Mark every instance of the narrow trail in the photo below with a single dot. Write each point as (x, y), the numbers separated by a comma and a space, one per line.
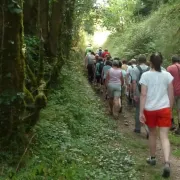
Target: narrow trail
(125, 124)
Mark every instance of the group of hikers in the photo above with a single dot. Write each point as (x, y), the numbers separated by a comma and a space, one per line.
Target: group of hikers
(153, 90)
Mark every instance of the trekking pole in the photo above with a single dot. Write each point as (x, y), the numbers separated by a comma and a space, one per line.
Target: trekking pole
(147, 130)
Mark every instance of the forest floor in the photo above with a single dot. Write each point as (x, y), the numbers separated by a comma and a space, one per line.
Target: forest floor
(138, 144)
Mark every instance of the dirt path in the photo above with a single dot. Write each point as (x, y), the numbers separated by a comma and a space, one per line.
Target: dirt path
(125, 124)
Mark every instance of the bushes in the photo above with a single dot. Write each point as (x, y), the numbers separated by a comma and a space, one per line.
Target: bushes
(159, 32)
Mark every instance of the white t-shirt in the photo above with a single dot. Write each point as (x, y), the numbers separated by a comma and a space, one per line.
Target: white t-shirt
(157, 89)
(136, 76)
(129, 72)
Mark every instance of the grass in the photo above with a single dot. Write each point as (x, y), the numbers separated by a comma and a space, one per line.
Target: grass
(139, 148)
(74, 138)
(175, 141)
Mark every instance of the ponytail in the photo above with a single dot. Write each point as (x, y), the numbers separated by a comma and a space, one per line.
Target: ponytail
(156, 60)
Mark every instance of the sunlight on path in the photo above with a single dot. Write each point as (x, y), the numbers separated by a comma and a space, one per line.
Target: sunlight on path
(100, 37)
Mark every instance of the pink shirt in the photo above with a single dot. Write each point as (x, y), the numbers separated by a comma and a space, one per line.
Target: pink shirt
(173, 70)
(114, 76)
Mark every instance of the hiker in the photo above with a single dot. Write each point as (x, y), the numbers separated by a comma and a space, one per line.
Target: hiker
(88, 49)
(156, 101)
(129, 80)
(120, 67)
(124, 65)
(124, 71)
(100, 51)
(89, 64)
(136, 75)
(96, 58)
(107, 58)
(98, 71)
(106, 52)
(114, 81)
(174, 70)
(123, 88)
(104, 74)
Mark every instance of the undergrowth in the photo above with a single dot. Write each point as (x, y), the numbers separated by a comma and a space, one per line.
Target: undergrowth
(74, 138)
(158, 32)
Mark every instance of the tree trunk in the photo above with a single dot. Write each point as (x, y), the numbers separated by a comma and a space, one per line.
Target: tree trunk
(55, 23)
(68, 27)
(44, 18)
(65, 38)
(30, 17)
(12, 69)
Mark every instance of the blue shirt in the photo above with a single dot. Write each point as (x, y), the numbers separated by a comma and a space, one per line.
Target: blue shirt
(105, 71)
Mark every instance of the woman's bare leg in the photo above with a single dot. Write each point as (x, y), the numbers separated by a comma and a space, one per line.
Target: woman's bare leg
(117, 105)
(152, 141)
(165, 143)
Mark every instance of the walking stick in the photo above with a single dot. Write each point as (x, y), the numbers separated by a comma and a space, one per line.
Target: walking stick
(147, 130)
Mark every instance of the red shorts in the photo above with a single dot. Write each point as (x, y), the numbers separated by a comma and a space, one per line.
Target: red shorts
(158, 118)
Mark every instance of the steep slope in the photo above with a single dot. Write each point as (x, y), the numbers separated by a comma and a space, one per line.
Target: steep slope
(158, 32)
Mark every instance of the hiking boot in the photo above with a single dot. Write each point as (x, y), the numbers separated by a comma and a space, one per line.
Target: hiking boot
(151, 161)
(166, 170)
(177, 131)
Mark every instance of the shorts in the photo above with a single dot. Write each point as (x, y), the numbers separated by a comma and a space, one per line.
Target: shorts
(114, 90)
(158, 118)
(98, 79)
(177, 102)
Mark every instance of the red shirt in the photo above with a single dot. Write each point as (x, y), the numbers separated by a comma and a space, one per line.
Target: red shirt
(173, 70)
(105, 53)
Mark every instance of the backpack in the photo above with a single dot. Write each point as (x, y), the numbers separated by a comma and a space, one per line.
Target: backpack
(90, 60)
(100, 53)
(130, 73)
(141, 72)
(101, 65)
